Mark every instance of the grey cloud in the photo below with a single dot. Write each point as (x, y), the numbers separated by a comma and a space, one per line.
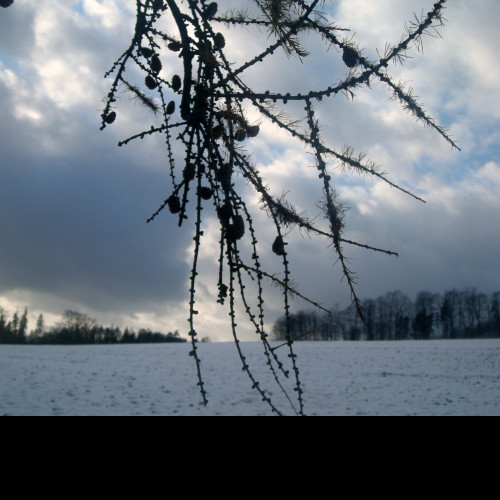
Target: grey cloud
(78, 230)
(73, 217)
(11, 42)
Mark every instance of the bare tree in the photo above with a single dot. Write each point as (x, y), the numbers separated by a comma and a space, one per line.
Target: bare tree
(75, 319)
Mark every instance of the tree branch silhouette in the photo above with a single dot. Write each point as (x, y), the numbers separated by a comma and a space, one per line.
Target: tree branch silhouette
(208, 108)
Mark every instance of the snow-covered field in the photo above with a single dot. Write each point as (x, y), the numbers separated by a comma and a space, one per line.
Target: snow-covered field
(407, 378)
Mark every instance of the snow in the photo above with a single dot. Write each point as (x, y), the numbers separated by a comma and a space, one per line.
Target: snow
(393, 378)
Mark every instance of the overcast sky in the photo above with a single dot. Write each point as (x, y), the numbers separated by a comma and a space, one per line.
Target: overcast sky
(73, 206)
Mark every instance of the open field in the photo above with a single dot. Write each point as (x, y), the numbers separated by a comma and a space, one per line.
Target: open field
(394, 378)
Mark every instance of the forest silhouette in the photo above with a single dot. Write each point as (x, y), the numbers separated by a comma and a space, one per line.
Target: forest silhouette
(456, 314)
(75, 329)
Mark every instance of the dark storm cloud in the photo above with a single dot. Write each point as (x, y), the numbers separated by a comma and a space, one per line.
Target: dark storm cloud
(75, 228)
(73, 210)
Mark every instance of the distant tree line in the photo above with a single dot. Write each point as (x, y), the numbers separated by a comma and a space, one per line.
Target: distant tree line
(465, 314)
(74, 328)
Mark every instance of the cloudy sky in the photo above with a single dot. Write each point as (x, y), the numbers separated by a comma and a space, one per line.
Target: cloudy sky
(73, 206)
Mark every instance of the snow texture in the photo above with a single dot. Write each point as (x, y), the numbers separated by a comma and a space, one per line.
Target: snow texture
(395, 378)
